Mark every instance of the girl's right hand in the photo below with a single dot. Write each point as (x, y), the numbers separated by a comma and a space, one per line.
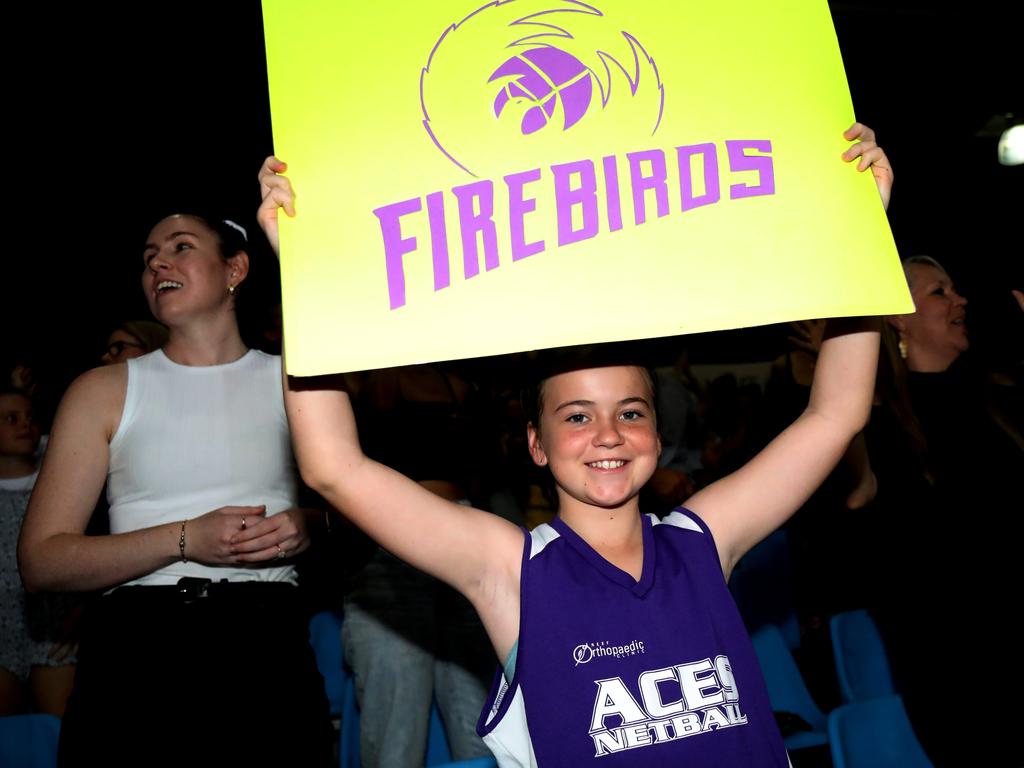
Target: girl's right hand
(277, 193)
(208, 537)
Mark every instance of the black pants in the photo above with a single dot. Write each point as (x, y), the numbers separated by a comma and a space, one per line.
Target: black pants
(226, 679)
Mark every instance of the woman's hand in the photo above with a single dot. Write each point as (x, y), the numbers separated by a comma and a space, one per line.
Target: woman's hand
(285, 534)
(277, 193)
(208, 537)
(66, 644)
(62, 650)
(871, 156)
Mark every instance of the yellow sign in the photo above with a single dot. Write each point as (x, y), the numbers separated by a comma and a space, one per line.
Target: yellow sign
(477, 178)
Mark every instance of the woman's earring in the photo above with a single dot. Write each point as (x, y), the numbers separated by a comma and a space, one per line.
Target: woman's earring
(902, 347)
(231, 290)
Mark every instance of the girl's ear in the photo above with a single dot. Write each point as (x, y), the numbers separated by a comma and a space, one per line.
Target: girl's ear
(540, 458)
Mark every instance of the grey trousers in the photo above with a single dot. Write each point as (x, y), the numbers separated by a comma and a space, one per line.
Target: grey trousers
(409, 638)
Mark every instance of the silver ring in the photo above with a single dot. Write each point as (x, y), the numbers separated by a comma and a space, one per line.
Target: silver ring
(280, 552)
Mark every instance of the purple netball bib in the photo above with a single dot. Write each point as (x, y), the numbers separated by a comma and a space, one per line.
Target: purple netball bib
(613, 672)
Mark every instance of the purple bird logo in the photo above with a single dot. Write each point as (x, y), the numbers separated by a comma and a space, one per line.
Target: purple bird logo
(543, 77)
(542, 66)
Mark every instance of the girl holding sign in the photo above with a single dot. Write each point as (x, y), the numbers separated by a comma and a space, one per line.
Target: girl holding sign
(618, 631)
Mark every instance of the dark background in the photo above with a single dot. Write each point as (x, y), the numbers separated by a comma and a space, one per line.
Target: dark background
(118, 113)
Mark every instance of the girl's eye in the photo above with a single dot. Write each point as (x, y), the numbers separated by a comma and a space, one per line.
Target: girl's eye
(631, 415)
(577, 418)
(182, 246)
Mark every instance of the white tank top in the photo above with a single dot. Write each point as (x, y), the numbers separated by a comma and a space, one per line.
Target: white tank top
(193, 439)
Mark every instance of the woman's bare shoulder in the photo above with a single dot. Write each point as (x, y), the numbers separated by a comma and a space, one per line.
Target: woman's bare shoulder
(96, 396)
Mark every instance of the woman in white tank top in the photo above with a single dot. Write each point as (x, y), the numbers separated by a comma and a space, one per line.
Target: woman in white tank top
(200, 634)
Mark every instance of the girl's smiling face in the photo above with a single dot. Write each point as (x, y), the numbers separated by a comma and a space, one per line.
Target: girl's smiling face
(598, 434)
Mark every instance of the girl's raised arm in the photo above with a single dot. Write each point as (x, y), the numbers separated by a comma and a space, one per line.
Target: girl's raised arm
(746, 506)
(477, 553)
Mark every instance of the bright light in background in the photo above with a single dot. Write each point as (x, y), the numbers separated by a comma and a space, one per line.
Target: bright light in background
(1011, 146)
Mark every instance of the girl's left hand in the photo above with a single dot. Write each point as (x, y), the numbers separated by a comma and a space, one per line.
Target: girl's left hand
(274, 537)
(871, 156)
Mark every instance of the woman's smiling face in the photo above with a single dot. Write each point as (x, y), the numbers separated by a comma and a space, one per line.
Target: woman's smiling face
(185, 272)
(598, 434)
(936, 333)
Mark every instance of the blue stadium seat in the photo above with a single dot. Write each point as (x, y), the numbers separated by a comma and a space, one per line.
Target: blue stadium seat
(762, 586)
(325, 637)
(786, 688)
(862, 665)
(874, 734)
(476, 762)
(29, 741)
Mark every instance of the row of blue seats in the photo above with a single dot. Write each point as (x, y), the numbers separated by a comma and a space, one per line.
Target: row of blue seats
(871, 729)
(867, 734)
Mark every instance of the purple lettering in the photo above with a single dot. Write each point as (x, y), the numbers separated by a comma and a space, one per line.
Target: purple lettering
(517, 210)
(740, 161)
(438, 240)
(611, 190)
(471, 222)
(655, 181)
(712, 193)
(566, 198)
(395, 246)
(575, 193)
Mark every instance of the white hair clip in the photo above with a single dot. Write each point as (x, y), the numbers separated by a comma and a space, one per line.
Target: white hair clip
(239, 227)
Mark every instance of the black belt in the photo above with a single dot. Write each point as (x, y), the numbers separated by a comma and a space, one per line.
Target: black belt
(192, 588)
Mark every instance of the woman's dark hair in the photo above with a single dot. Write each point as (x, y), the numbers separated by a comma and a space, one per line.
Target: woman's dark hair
(893, 388)
(232, 231)
(231, 236)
